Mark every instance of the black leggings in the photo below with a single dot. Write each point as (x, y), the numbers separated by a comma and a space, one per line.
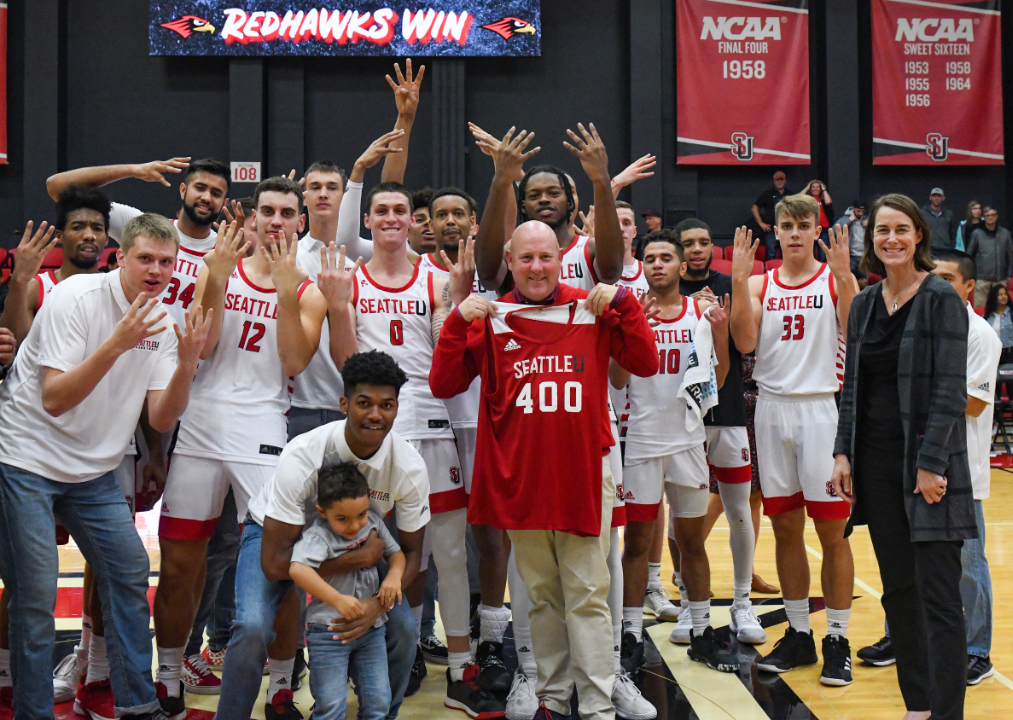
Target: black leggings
(921, 596)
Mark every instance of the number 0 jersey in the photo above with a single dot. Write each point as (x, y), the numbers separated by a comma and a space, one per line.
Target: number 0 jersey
(800, 350)
(398, 321)
(657, 421)
(240, 396)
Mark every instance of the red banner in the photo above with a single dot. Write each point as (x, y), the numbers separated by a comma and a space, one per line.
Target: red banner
(743, 82)
(936, 82)
(3, 83)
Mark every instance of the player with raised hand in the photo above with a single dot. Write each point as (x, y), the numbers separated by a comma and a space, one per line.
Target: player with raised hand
(795, 320)
(267, 328)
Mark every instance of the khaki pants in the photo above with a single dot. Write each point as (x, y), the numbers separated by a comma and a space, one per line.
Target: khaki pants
(568, 583)
(981, 288)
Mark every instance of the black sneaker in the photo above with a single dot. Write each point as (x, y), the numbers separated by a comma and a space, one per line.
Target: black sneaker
(836, 661)
(419, 672)
(494, 678)
(793, 650)
(707, 650)
(631, 654)
(879, 654)
(434, 650)
(466, 695)
(173, 707)
(282, 707)
(978, 668)
(298, 670)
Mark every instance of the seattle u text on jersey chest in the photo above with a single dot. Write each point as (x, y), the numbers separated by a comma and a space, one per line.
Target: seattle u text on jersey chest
(549, 364)
(251, 306)
(391, 306)
(794, 302)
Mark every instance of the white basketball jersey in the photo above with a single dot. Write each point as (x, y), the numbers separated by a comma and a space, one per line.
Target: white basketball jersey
(577, 270)
(657, 422)
(398, 321)
(178, 294)
(634, 279)
(800, 350)
(240, 396)
(429, 263)
(47, 281)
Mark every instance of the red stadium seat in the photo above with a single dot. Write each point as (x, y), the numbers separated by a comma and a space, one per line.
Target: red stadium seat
(722, 266)
(771, 264)
(53, 259)
(105, 256)
(757, 268)
(761, 252)
(721, 253)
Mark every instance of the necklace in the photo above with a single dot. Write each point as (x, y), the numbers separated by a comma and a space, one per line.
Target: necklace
(896, 299)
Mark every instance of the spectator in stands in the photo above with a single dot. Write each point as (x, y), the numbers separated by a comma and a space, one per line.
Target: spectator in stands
(997, 313)
(112, 263)
(763, 211)
(992, 249)
(940, 220)
(653, 220)
(968, 225)
(855, 220)
(818, 189)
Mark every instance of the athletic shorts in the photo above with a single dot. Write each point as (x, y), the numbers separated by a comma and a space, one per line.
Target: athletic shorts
(683, 476)
(795, 455)
(126, 476)
(615, 457)
(446, 481)
(467, 439)
(195, 493)
(728, 454)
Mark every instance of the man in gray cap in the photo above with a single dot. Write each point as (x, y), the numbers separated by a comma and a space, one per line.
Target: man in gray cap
(940, 220)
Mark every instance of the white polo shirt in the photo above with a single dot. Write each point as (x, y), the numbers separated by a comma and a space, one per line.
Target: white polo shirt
(90, 440)
(983, 350)
(396, 475)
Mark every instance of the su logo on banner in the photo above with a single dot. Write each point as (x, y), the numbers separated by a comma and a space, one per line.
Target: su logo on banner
(742, 146)
(937, 146)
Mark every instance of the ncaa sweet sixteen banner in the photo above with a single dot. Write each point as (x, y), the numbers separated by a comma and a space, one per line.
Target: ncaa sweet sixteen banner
(446, 28)
(743, 82)
(936, 83)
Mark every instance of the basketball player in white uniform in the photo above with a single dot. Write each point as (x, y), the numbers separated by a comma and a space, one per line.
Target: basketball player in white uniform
(267, 328)
(662, 456)
(399, 308)
(795, 321)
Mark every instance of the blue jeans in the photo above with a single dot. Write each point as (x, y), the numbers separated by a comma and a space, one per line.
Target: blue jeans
(976, 590)
(330, 664)
(257, 603)
(217, 607)
(770, 242)
(99, 520)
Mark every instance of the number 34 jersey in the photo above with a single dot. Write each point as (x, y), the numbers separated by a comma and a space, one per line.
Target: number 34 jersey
(240, 395)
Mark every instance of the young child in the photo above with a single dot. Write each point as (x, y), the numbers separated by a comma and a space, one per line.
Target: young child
(344, 524)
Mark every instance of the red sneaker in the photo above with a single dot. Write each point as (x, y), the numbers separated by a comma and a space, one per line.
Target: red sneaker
(214, 658)
(95, 700)
(198, 678)
(282, 707)
(6, 703)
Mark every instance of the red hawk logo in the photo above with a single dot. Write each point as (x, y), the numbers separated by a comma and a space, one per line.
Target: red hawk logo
(509, 26)
(189, 24)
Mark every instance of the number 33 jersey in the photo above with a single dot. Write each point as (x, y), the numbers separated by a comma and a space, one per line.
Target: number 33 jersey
(240, 396)
(800, 350)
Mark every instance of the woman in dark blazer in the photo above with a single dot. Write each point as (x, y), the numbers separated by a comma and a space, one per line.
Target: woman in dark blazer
(901, 452)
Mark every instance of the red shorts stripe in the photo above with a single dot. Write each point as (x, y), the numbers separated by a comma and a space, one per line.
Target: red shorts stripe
(183, 529)
(448, 500)
(642, 513)
(619, 516)
(733, 475)
(838, 510)
(780, 505)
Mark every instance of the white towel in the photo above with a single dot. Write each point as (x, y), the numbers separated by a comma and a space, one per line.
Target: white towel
(700, 384)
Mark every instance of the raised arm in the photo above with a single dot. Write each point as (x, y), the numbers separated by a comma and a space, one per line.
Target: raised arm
(166, 406)
(22, 291)
(100, 175)
(637, 170)
(406, 96)
(607, 247)
(213, 279)
(839, 259)
(301, 307)
(489, 145)
(717, 315)
(337, 285)
(744, 318)
(509, 158)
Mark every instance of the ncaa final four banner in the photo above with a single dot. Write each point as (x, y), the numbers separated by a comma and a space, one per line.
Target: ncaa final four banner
(742, 80)
(936, 82)
(440, 28)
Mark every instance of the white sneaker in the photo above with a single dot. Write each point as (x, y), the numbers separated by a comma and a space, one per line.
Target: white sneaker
(629, 704)
(658, 603)
(683, 628)
(67, 675)
(746, 626)
(522, 704)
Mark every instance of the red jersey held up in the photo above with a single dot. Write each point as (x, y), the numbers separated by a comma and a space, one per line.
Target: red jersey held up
(543, 420)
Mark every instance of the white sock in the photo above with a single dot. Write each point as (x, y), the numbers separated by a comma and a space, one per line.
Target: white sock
(281, 675)
(458, 662)
(633, 621)
(740, 592)
(701, 613)
(798, 614)
(5, 668)
(170, 665)
(683, 593)
(735, 499)
(653, 576)
(86, 630)
(617, 641)
(526, 655)
(837, 622)
(98, 663)
(417, 612)
(493, 622)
